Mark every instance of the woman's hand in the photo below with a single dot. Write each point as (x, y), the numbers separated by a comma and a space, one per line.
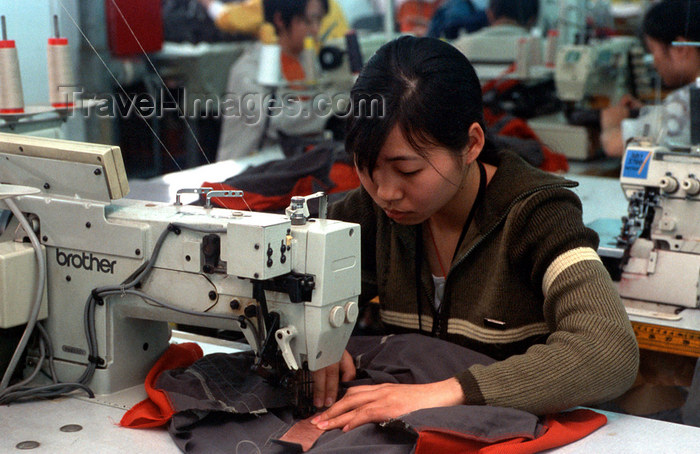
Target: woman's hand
(612, 116)
(378, 403)
(326, 380)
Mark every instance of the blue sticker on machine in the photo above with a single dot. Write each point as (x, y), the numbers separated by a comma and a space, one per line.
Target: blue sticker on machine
(636, 164)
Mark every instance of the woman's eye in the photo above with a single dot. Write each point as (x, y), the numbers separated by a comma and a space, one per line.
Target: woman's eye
(409, 172)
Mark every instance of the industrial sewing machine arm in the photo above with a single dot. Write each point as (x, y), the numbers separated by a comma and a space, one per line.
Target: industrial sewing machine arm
(291, 287)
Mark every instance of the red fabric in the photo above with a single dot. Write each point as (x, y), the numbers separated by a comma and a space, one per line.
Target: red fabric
(517, 127)
(134, 27)
(343, 175)
(157, 410)
(553, 162)
(414, 16)
(562, 428)
(292, 70)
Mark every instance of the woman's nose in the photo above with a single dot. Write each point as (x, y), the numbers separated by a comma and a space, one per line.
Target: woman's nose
(315, 28)
(389, 191)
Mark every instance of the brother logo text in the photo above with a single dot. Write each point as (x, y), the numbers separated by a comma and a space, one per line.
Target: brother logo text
(85, 261)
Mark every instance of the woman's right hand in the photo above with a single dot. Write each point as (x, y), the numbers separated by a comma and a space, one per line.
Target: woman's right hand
(326, 380)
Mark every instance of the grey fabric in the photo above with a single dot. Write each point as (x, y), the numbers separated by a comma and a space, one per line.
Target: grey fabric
(211, 398)
(221, 382)
(486, 424)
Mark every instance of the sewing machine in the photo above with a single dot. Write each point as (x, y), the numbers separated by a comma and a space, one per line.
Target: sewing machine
(585, 73)
(660, 235)
(117, 270)
(587, 78)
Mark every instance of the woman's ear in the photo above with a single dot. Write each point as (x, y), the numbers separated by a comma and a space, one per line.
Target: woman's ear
(477, 138)
(682, 52)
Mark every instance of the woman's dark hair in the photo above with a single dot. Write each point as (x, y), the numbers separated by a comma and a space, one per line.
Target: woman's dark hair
(669, 19)
(288, 9)
(426, 87)
(524, 12)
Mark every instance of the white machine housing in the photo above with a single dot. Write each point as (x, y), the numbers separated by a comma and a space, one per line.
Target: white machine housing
(598, 68)
(663, 188)
(93, 238)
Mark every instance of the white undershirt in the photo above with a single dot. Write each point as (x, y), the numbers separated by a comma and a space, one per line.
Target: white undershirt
(439, 284)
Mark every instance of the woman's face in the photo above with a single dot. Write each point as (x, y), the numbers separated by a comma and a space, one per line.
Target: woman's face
(408, 187)
(302, 26)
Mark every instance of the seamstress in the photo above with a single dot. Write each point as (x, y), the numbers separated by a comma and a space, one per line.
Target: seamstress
(509, 20)
(678, 66)
(247, 123)
(247, 17)
(469, 243)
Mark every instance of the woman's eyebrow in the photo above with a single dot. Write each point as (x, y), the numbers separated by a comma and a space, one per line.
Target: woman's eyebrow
(402, 158)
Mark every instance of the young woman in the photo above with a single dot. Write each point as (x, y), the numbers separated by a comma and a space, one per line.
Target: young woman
(247, 124)
(470, 244)
(678, 66)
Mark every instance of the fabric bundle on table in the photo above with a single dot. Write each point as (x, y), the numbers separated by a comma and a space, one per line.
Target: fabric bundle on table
(218, 405)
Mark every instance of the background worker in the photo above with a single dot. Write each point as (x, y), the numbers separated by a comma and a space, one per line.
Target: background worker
(678, 67)
(246, 17)
(249, 122)
(509, 20)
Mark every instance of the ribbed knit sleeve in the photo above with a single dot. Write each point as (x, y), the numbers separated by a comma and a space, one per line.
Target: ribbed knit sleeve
(591, 354)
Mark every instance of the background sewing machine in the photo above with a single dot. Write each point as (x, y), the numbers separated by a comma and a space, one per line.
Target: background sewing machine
(660, 236)
(115, 271)
(588, 77)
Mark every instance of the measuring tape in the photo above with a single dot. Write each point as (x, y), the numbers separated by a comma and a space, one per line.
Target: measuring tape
(667, 339)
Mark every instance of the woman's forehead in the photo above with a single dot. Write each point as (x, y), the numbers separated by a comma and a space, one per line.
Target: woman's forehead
(398, 147)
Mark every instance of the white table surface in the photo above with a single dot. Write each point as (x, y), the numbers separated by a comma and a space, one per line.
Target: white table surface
(41, 422)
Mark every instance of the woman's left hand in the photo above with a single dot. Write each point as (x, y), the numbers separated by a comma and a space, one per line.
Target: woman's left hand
(378, 403)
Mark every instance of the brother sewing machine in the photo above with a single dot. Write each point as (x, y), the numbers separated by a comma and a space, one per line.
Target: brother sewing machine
(114, 271)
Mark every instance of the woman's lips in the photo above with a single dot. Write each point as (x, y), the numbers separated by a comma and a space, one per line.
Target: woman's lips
(395, 214)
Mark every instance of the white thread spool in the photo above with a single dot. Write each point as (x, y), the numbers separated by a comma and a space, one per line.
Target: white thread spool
(61, 81)
(550, 49)
(522, 63)
(270, 66)
(11, 97)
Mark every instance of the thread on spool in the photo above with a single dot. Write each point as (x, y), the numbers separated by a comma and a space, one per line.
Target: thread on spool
(308, 60)
(270, 66)
(60, 71)
(522, 63)
(550, 52)
(11, 97)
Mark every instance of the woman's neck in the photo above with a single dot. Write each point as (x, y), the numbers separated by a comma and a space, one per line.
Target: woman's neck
(286, 46)
(453, 215)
